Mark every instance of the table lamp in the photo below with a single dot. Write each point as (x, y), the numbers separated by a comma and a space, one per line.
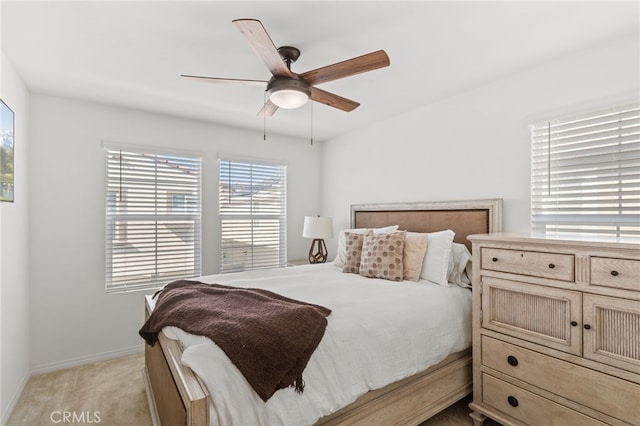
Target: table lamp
(318, 228)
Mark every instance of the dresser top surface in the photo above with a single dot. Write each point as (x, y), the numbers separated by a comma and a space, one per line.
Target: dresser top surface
(551, 239)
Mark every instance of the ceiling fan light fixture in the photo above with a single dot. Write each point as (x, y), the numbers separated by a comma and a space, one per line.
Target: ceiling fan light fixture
(288, 99)
(288, 93)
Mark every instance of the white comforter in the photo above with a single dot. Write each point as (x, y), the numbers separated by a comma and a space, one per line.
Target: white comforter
(378, 332)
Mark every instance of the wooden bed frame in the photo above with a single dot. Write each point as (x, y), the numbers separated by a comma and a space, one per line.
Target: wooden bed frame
(177, 397)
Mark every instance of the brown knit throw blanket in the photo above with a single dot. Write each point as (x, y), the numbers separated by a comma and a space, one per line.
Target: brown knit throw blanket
(268, 337)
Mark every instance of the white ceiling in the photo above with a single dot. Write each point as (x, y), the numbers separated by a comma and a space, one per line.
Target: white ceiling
(132, 53)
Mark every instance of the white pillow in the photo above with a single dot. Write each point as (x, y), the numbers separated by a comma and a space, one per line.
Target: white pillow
(436, 262)
(341, 255)
(460, 257)
(468, 277)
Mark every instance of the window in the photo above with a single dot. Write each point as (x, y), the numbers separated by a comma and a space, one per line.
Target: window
(152, 219)
(585, 174)
(253, 217)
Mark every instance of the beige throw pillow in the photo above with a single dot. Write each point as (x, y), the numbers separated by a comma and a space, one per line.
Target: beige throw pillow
(415, 248)
(382, 256)
(353, 251)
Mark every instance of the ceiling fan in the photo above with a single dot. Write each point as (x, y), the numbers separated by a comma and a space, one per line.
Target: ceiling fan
(287, 89)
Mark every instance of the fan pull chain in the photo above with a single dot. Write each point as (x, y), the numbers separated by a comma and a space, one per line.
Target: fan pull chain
(264, 117)
(311, 130)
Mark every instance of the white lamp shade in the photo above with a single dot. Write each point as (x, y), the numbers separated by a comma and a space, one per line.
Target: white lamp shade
(317, 227)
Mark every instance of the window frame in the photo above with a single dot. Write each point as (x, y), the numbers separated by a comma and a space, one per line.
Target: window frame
(166, 243)
(247, 223)
(585, 174)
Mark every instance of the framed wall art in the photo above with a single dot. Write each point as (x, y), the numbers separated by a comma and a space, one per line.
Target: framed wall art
(6, 152)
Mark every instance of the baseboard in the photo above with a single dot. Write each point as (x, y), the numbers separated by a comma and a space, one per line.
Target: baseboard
(75, 362)
(14, 400)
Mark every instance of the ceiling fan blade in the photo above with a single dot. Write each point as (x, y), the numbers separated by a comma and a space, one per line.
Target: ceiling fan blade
(268, 109)
(254, 32)
(226, 80)
(333, 100)
(353, 66)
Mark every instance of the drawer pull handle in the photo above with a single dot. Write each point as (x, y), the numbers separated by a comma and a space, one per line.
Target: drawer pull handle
(495, 259)
(574, 323)
(614, 273)
(512, 401)
(512, 360)
(587, 327)
(551, 266)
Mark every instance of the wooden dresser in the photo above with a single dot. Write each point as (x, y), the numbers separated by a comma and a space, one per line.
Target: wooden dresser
(556, 331)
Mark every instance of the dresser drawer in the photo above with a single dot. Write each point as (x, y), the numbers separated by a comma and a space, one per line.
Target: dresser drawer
(585, 386)
(528, 407)
(619, 273)
(536, 264)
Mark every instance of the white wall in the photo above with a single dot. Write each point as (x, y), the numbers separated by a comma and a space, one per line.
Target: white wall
(72, 319)
(476, 144)
(14, 266)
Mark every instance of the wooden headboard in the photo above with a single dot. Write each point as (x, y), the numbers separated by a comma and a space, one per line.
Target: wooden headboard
(463, 217)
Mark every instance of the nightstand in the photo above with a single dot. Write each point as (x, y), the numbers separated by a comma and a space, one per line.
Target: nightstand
(297, 262)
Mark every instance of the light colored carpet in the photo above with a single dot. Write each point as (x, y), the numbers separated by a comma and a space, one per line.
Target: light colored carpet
(111, 393)
(106, 393)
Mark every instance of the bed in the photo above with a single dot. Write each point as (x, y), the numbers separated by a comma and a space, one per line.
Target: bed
(178, 396)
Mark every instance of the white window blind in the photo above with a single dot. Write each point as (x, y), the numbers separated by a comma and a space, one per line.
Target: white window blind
(152, 219)
(253, 216)
(585, 174)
